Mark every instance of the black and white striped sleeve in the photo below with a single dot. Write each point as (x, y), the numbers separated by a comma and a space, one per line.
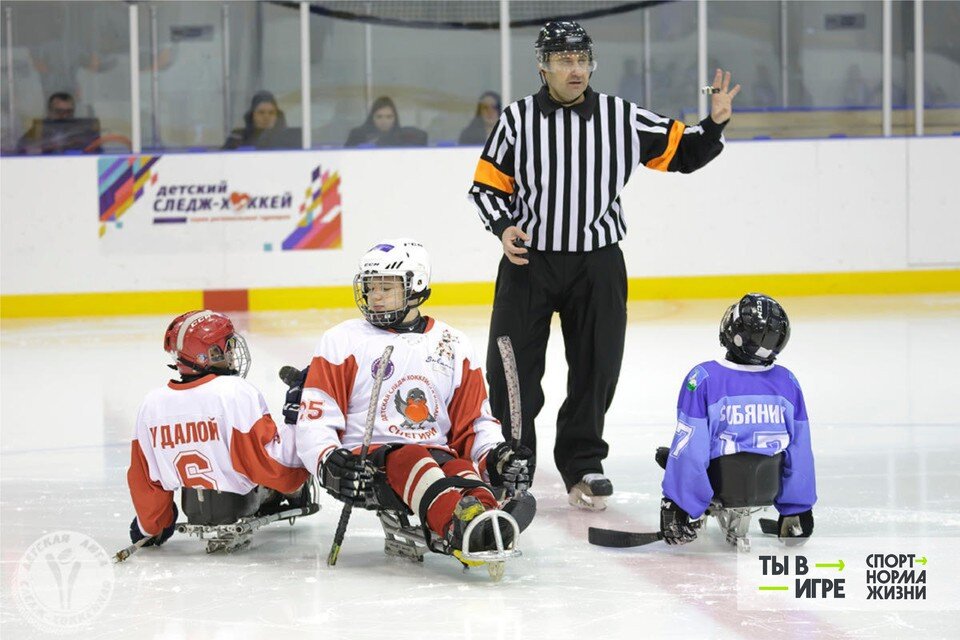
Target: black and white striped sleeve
(494, 185)
(670, 145)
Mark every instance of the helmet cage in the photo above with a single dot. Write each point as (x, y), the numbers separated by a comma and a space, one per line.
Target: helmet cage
(755, 330)
(388, 318)
(205, 342)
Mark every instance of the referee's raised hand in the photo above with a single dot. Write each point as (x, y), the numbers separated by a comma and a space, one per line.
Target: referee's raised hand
(513, 249)
(721, 102)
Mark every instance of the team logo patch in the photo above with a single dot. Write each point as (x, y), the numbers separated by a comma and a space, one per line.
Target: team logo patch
(414, 409)
(376, 366)
(410, 408)
(696, 378)
(443, 355)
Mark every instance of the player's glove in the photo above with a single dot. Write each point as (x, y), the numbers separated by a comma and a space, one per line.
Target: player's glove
(136, 535)
(675, 523)
(345, 478)
(293, 378)
(795, 529)
(509, 468)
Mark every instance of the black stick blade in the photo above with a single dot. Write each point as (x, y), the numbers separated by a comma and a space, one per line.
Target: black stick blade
(620, 539)
(769, 526)
(291, 376)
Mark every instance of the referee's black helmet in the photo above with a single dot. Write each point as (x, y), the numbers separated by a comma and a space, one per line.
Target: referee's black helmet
(562, 36)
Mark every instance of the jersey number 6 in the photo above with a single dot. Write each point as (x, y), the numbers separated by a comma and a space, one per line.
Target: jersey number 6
(194, 469)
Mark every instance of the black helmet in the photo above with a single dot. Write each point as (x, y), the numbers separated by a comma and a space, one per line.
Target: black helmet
(755, 329)
(562, 36)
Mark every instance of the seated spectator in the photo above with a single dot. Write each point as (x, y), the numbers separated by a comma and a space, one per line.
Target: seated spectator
(382, 129)
(264, 126)
(60, 131)
(484, 120)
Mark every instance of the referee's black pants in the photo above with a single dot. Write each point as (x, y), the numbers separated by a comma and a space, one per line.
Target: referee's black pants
(589, 290)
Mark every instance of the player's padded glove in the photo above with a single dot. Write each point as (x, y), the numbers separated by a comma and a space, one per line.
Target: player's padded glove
(509, 468)
(796, 528)
(675, 523)
(293, 378)
(136, 535)
(345, 478)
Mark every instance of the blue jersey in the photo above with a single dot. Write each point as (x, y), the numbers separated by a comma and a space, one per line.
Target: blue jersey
(727, 408)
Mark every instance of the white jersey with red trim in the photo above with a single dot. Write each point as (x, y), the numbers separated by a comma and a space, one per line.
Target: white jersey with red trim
(433, 393)
(215, 433)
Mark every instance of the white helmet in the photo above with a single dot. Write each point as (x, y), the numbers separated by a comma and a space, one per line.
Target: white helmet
(403, 258)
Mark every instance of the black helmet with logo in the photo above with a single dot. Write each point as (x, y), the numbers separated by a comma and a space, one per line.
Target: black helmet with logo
(755, 330)
(562, 36)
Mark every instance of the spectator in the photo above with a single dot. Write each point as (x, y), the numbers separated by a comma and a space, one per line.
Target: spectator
(262, 124)
(61, 106)
(59, 131)
(382, 128)
(484, 120)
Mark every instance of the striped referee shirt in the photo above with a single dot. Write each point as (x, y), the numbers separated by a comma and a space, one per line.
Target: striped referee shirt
(557, 172)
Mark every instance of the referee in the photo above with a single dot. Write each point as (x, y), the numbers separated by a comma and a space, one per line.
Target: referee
(548, 185)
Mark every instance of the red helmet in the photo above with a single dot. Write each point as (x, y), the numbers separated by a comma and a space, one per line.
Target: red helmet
(205, 341)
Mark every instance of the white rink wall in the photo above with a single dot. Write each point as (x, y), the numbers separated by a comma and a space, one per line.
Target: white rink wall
(762, 207)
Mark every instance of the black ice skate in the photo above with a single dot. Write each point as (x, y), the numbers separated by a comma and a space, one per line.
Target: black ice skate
(591, 492)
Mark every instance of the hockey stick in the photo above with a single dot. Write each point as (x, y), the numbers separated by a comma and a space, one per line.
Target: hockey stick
(126, 552)
(613, 538)
(769, 526)
(513, 386)
(291, 376)
(367, 437)
(620, 539)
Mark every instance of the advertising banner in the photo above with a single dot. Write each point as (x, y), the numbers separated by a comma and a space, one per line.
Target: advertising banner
(186, 204)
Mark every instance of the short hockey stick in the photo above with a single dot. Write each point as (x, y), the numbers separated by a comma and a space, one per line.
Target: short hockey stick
(620, 539)
(513, 387)
(126, 552)
(769, 526)
(613, 538)
(365, 447)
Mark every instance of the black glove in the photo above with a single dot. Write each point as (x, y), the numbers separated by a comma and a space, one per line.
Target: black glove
(136, 535)
(293, 378)
(345, 478)
(675, 523)
(788, 526)
(508, 468)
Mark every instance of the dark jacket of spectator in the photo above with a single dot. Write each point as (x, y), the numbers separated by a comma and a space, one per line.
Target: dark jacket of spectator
(484, 119)
(259, 123)
(382, 129)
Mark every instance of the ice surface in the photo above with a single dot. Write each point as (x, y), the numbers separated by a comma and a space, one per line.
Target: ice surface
(881, 391)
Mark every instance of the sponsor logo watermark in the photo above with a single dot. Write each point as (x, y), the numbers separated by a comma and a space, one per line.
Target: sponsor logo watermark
(63, 582)
(875, 574)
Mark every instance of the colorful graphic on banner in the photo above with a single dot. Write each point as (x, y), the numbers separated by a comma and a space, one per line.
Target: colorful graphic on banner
(319, 226)
(121, 182)
(242, 203)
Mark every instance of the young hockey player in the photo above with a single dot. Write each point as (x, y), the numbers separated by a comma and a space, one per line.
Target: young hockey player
(744, 403)
(434, 438)
(208, 432)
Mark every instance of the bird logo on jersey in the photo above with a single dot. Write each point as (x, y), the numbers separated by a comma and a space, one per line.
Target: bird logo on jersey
(414, 409)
